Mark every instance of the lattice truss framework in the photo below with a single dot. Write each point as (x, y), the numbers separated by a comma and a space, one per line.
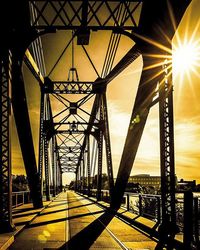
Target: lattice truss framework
(5, 149)
(83, 17)
(69, 141)
(166, 144)
(71, 130)
(91, 14)
(72, 124)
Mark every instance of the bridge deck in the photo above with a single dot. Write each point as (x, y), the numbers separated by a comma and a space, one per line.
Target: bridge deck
(74, 222)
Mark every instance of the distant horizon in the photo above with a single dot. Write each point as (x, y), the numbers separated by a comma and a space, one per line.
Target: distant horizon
(197, 183)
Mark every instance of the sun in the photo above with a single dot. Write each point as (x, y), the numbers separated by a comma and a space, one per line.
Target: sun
(185, 58)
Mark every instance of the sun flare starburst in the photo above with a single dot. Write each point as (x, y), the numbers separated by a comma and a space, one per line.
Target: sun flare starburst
(186, 59)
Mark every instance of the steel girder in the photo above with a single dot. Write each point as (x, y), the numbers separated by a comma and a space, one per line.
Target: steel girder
(6, 224)
(41, 141)
(16, 36)
(58, 88)
(104, 134)
(144, 97)
(99, 112)
(167, 158)
(88, 164)
(47, 147)
(100, 101)
(66, 127)
(100, 150)
(20, 110)
(85, 15)
(155, 25)
(47, 171)
(70, 136)
(82, 19)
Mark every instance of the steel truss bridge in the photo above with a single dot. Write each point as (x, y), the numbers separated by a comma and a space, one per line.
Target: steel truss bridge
(72, 139)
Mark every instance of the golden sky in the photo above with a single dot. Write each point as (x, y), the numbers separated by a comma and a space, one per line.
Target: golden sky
(121, 94)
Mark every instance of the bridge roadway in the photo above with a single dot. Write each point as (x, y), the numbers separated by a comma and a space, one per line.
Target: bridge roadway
(71, 221)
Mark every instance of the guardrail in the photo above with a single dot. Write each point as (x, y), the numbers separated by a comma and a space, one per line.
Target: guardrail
(20, 198)
(145, 205)
(149, 206)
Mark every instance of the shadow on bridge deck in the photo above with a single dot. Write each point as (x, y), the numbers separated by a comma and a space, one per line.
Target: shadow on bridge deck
(76, 223)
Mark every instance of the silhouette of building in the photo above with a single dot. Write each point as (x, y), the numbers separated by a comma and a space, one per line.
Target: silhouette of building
(146, 180)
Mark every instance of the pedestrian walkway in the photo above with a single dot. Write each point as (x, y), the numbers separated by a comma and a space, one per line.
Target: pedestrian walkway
(21, 216)
(48, 229)
(73, 222)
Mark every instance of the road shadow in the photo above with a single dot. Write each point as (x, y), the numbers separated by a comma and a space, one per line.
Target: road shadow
(45, 222)
(86, 238)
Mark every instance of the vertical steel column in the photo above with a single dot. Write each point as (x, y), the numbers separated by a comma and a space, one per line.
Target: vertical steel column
(80, 174)
(108, 145)
(41, 140)
(83, 175)
(56, 169)
(88, 164)
(6, 224)
(60, 176)
(46, 164)
(76, 182)
(53, 165)
(100, 154)
(79, 178)
(168, 228)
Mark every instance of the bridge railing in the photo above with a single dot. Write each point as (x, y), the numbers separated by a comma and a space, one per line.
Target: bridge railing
(145, 205)
(149, 206)
(20, 198)
(180, 213)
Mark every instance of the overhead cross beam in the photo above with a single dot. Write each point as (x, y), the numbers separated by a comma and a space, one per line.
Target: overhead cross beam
(85, 15)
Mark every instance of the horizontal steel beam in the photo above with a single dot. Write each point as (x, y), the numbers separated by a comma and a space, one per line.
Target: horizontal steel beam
(68, 87)
(70, 132)
(98, 16)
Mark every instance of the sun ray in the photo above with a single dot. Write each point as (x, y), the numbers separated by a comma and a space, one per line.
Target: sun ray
(194, 33)
(159, 56)
(171, 14)
(152, 42)
(155, 65)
